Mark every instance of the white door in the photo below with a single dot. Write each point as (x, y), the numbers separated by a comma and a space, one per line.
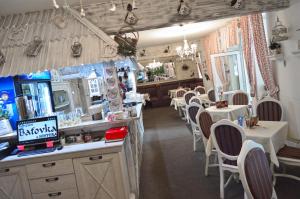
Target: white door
(99, 177)
(14, 183)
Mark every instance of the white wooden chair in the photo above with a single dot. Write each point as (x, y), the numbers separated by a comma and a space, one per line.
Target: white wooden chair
(196, 100)
(204, 122)
(269, 109)
(288, 156)
(180, 92)
(187, 96)
(192, 110)
(240, 98)
(255, 172)
(227, 138)
(200, 90)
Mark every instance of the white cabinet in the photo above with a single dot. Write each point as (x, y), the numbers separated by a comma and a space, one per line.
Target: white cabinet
(100, 177)
(14, 183)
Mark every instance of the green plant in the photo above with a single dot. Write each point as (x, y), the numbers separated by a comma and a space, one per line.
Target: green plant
(4, 114)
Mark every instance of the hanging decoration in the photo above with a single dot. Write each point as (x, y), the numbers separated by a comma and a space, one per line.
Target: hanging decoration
(76, 49)
(34, 47)
(60, 22)
(130, 18)
(279, 31)
(127, 41)
(237, 4)
(2, 58)
(184, 9)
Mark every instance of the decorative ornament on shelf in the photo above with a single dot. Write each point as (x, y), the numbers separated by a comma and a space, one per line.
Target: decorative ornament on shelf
(34, 47)
(279, 31)
(130, 18)
(2, 58)
(76, 49)
(237, 4)
(184, 9)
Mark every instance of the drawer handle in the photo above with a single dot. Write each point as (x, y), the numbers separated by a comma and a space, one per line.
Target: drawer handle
(52, 164)
(52, 195)
(52, 179)
(4, 170)
(96, 158)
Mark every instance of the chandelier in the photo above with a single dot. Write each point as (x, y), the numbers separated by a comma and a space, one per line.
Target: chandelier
(186, 51)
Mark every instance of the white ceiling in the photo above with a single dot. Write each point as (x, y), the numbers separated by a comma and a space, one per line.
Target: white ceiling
(175, 33)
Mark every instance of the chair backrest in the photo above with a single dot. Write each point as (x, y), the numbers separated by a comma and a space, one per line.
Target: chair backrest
(204, 122)
(255, 172)
(269, 109)
(228, 139)
(192, 110)
(200, 89)
(211, 95)
(240, 98)
(180, 92)
(196, 100)
(188, 95)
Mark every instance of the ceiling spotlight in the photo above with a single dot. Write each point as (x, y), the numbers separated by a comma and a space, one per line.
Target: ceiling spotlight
(113, 7)
(55, 4)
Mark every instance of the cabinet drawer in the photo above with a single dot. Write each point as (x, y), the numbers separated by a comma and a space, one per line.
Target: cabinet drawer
(55, 183)
(46, 169)
(66, 194)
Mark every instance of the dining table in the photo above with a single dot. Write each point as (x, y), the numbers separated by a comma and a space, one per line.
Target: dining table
(172, 92)
(232, 112)
(179, 101)
(270, 134)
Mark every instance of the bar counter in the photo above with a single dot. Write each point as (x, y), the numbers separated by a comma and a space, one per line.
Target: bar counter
(83, 169)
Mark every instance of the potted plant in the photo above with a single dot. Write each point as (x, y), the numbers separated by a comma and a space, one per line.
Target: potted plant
(275, 47)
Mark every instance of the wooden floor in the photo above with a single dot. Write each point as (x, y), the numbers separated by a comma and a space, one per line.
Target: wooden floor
(171, 170)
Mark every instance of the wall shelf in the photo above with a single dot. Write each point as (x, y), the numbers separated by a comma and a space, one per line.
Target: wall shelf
(296, 52)
(276, 57)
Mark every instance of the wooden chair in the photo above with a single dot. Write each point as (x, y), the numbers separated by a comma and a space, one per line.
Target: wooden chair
(211, 96)
(228, 139)
(240, 98)
(180, 93)
(269, 109)
(204, 122)
(200, 90)
(255, 172)
(196, 100)
(289, 156)
(192, 110)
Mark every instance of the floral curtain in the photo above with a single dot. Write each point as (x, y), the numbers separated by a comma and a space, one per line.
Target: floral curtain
(255, 48)
(220, 41)
(261, 50)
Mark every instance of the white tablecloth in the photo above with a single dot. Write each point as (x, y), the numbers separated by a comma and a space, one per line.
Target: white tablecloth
(177, 102)
(172, 93)
(271, 135)
(232, 112)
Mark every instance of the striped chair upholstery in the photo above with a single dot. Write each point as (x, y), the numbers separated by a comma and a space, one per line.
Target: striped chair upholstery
(258, 174)
(240, 98)
(200, 89)
(205, 122)
(289, 152)
(211, 95)
(180, 93)
(229, 140)
(193, 110)
(195, 100)
(269, 111)
(188, 96)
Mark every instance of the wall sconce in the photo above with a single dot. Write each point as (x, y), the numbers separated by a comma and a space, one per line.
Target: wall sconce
(279, 31)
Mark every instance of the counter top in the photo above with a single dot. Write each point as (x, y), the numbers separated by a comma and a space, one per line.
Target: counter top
(69, 151)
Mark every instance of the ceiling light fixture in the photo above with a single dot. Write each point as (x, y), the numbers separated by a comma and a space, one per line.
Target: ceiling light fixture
(55, 4)
(113, 7)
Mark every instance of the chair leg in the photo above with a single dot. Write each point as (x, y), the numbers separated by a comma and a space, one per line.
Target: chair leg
(194, 140)
(206, 165)
(221, 183)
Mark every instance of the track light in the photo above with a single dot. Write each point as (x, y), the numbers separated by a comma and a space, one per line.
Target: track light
(113, 7)
(55, 4)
